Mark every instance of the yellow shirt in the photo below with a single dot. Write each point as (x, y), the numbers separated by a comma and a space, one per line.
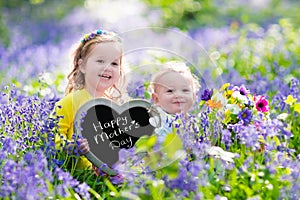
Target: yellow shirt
(67, 108)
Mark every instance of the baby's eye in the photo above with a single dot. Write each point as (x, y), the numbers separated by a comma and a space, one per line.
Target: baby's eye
(100, 61)
(186, 90)
(170, 91)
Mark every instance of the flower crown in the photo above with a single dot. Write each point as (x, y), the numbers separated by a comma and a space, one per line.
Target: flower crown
(89, 36)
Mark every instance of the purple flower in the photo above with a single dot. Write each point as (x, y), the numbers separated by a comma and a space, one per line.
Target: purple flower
(278, 102)
(243, 90)
(207, 94)
(250, 137)
(294, 90)
(83, 189)
(137, 88)
(204, 121)
(66, 178)
(28, 157)
(245, 116)
(117, 180)
(226, 138)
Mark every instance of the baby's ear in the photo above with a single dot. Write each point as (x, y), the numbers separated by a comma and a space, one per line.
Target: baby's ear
(154, 98)
(194, 95)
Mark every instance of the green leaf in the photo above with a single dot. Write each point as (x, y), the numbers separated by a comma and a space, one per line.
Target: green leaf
(172, 144)
(157, 189)
(145, 143)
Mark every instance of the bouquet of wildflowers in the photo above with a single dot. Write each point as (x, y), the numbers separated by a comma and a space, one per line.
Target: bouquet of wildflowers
(237, 104)
(233, 108)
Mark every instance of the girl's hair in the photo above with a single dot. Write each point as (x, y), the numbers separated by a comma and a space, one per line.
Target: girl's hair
(76, 79)
(178, 67)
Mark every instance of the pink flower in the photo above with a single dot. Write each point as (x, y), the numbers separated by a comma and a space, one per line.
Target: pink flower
(261, 103)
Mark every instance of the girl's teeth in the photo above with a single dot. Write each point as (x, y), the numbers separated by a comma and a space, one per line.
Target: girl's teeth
(107, 77)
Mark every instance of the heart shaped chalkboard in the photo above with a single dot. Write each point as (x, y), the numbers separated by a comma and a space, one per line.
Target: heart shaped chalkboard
(109, 127)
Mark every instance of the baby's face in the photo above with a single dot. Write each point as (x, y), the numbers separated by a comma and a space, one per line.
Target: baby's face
(174, 93)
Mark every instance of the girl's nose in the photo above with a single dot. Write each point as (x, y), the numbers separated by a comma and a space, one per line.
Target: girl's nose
(108, 68)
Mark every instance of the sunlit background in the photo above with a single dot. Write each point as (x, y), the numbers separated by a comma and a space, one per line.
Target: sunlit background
(37, 36)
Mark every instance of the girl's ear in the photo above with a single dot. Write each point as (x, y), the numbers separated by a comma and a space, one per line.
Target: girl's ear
(81, 66)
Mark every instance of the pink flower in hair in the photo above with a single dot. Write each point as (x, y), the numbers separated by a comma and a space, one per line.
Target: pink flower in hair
(261, 103)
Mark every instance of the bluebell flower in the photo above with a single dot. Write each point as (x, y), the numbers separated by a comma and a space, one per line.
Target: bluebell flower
(83, 190)
(28, 157)
(204, 121)
(65, 178)
(136, 87)
(249, 136)
(226, 138)
(62, 190)
(117, 180)
(294, 88)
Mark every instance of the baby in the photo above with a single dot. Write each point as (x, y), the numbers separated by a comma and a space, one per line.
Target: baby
(173, 92)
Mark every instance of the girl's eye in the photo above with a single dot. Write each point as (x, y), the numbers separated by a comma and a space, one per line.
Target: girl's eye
(100, 61)
(186, 90)
(170, 91)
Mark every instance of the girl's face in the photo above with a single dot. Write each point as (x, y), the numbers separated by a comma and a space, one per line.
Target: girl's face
(174, 93)
(101, 68)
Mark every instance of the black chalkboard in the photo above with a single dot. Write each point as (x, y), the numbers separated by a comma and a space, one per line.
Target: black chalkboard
(109, 127)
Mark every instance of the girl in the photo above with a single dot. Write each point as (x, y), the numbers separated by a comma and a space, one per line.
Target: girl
(97, 72)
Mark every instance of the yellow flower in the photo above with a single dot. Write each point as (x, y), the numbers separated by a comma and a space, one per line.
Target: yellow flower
(290, 100)
(228, 94)
(297, 107)
(227, 116)
(225, 86)
(227, 112)
(288, 170)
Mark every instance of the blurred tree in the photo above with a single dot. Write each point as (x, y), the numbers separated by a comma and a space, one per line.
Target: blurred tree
(4, 36)
(35, 10)
(189, 14)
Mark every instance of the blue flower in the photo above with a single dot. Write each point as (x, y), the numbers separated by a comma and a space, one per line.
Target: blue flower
(245, 116)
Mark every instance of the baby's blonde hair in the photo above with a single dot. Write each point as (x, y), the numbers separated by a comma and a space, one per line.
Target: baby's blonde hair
(178, 67)
(76, 79)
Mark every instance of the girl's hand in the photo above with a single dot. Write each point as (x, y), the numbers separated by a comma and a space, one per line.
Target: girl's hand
(81, 147)
(84, 147)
